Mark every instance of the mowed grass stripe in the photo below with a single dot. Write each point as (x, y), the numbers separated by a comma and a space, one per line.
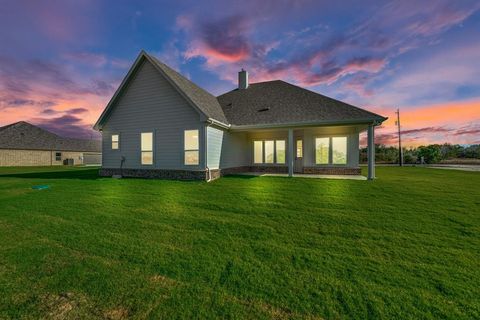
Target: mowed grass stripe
(403, 246)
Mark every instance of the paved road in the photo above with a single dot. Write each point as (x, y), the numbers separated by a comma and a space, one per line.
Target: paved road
(463, 167)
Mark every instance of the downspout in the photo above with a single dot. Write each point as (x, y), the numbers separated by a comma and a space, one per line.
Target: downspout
(209, 174)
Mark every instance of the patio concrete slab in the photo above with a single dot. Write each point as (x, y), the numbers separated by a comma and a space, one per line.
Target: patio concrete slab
(304, 175)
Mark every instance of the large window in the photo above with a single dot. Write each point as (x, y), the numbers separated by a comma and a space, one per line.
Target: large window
(191, 147)
(280, 151)
(269, 151)
(322, 147)
(147, 148)
(331, 150)
(339, 150)
(258, 152)
(269, 147)
(115, 141)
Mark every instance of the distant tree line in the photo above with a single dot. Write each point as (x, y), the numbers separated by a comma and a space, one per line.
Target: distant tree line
(433, 153)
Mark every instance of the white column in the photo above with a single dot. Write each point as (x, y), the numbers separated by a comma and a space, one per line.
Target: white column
(371, 152)
(290, 154)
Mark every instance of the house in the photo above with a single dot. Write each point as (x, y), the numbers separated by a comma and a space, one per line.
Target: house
(23, 144)
(159, 124)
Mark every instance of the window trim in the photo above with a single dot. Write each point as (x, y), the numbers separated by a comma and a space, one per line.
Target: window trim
(152, 151)
(118, 141)
(330, 151)
(185, 150)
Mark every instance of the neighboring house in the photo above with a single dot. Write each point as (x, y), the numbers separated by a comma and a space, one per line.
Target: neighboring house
(160, 124)
(23, 144)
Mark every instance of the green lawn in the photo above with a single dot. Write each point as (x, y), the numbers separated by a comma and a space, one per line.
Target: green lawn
(404, 246)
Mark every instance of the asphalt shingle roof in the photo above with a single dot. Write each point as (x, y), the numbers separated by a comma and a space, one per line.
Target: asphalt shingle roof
(25, 136)
(279, 102)
(264, 103)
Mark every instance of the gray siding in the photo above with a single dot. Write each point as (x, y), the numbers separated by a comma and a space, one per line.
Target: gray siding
(214, 147)
(151, 104)
(235, 150)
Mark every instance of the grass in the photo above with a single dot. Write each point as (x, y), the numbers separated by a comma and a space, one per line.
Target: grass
(404, 246)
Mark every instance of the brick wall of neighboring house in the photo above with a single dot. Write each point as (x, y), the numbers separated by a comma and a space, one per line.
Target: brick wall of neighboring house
(11, 157)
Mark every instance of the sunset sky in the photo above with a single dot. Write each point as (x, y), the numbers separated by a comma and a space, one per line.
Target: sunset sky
(61, 61)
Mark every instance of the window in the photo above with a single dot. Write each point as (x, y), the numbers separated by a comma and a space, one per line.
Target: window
(299, 148)
(331, 150)
(280, 151)
(58, 156)
(191, 147)
(269, 151)
(339, 150)
(258, 152)
(321, 150)
(114, 141)
(147, 148)
(269, 147)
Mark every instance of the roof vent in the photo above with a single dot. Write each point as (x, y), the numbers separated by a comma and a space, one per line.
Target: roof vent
(263, 109)
(243, 79)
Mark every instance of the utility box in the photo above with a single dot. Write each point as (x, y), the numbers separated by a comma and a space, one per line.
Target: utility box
(68, 162)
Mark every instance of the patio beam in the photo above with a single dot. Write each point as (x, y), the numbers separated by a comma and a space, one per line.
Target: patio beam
(371, 151)
(290, 152)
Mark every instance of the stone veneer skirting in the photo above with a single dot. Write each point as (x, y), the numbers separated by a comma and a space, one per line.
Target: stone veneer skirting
(154, 174)
(217, 173)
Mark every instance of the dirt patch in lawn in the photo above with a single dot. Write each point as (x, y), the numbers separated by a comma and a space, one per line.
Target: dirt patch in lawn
(62, 306)
(163, 281)
(116, 314)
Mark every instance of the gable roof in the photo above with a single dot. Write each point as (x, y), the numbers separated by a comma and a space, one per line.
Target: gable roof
(280, 103)
(25, 136)
(204, 102)
(267, 104)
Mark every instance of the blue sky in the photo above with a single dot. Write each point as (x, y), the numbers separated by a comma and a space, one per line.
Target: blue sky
(60, 61)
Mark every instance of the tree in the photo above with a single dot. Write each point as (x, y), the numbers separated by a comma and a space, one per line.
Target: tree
(430, 153)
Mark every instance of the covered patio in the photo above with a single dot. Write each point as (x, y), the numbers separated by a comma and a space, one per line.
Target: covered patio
(310, 151)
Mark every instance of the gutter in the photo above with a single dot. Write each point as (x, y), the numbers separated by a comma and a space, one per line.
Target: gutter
(307, 124)
(218, 123)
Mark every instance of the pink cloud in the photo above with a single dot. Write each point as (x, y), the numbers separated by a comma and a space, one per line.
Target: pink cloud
(224, 40)
(453, 122)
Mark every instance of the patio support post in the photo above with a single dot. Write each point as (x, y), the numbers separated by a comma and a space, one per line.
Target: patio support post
(371, 152)
(290, 157)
